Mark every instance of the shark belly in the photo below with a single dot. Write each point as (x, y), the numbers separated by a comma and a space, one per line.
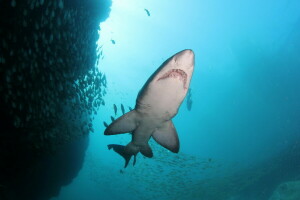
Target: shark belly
(162, 99)
(142, 134)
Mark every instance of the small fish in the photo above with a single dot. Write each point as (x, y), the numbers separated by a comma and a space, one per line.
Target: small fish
(189, 101)
(122, 108)
(113, 41)
(121, 171)
(130, 108)
(147, 11)
(105, 124)
(189, 104)
(112, 118)
(115, 109)
(103, 80)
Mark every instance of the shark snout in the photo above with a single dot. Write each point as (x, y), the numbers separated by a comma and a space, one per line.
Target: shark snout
(185, 59)
(187, 52)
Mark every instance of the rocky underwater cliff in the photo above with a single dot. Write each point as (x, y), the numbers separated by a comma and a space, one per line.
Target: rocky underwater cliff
(49, 89)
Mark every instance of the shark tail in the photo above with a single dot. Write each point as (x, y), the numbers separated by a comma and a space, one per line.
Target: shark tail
(120, 149)
(131, 150)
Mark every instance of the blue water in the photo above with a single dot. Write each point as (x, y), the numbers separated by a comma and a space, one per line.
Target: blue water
(240, 139)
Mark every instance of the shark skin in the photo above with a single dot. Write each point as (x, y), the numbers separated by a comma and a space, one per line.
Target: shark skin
(157, 103)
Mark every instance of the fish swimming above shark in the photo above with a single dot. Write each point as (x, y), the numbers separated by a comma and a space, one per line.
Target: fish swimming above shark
(115, 109)
(157, 103)
(123, 109)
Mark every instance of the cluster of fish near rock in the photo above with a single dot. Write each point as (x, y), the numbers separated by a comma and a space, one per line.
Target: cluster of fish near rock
(49, 84)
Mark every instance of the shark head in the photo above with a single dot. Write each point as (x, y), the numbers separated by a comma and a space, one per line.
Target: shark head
(166, 88)
(180, 66)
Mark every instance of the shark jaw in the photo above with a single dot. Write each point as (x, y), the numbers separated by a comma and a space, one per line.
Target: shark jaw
(157, 103)
(175, 73)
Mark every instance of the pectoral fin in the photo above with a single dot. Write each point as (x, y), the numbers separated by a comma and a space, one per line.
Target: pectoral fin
(124, 124)
(166, 136)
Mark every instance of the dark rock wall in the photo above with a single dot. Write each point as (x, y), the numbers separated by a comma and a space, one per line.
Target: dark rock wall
(49, 86)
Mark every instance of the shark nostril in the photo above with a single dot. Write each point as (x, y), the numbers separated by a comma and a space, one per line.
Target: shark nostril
(175, 60)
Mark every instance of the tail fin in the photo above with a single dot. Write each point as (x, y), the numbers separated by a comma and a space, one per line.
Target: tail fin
(121, 150)
(131, 150)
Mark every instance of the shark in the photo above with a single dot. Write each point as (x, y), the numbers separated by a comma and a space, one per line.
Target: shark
(157, 103)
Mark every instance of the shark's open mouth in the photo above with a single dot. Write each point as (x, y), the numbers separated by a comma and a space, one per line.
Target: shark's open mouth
(174, 73)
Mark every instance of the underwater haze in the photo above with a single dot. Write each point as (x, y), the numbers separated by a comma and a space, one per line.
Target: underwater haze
(238, 126)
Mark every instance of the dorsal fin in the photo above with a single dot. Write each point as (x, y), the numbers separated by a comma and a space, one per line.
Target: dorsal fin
(166, 136)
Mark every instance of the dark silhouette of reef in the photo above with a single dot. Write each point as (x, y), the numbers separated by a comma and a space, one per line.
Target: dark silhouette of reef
(286, 165)
(49, 89)
(262, 180)
(47, 174)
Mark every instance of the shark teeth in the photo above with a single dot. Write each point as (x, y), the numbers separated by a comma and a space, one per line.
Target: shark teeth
(174, 73)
